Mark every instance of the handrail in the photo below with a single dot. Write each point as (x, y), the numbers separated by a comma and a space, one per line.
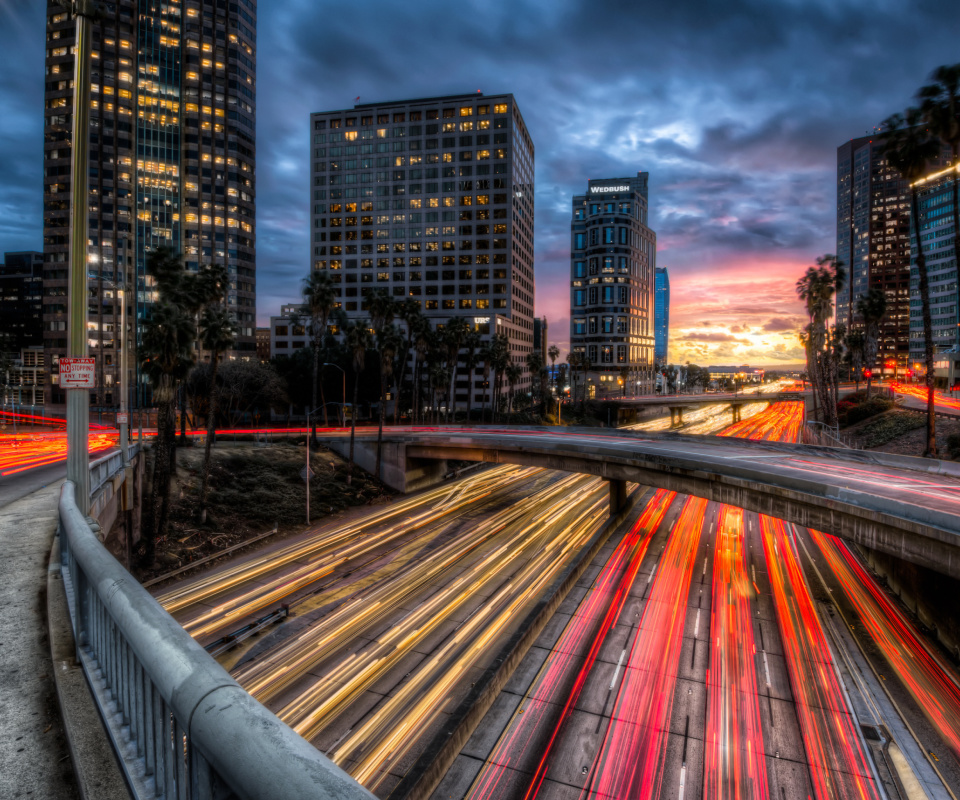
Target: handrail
(181, 726)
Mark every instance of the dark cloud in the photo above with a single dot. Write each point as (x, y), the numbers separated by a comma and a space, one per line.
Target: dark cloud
(735, 108)
(782, 325)
(712, 337)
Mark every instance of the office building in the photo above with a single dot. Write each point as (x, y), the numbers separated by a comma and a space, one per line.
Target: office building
(263, 344)
(21, 301)
(935, 198)
(430, 200)
(540, 344)
(172, 162)
(661, 315)
(613, 257)
(289, 330)
(873, 242)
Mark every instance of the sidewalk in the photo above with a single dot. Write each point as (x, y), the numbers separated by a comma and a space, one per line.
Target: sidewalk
(34, 758)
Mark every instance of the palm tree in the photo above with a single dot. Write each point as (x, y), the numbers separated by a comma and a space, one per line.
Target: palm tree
(472, 344)
(817, 288)
(320, 298)
(389, 341)
(500, 359)
(856, 343)
(872, 308)
(358, 341)
(553, 353)
(535, 365)
(910, 148)
(486, 356)
(941, 111)
(409, 312)
(217, 334)
(454, 332)
(513, 373)
(423, 337)
(166, 354)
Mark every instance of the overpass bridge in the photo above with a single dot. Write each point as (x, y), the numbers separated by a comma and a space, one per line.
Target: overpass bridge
(902, 506)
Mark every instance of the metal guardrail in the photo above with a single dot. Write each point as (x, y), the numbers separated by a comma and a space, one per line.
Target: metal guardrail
(102, 472)
(817, 433)
(180, 725)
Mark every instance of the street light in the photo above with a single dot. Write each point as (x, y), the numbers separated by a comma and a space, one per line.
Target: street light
(343, 405)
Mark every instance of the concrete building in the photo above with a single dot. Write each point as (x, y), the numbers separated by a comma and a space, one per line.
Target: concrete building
(540, 343)
(935, 196)
(661, 315)
(289, 330)
(873, 241)
(25, 381)
(263, 344)
(21, 301)
(613, 257)
(172, 162)
(430, 200)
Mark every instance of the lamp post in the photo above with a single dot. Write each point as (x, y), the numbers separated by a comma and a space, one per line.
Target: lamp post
(78, 400)
(343, 404)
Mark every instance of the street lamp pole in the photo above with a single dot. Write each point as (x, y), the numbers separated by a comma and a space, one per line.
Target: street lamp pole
(78, 400)
(343, 404)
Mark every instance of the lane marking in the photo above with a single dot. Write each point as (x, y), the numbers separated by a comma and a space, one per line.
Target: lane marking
(616, 672)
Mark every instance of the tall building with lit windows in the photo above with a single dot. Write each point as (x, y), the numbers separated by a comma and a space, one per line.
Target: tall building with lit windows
(613, 258)
(172, 161)
(430, 200)
(661, 315)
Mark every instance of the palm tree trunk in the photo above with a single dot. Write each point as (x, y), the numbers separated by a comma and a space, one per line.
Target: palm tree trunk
(211, 428)
(383, 393)
(930, 450)
(353, 426)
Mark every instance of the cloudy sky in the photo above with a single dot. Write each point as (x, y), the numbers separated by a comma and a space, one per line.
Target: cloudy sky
(735, 108)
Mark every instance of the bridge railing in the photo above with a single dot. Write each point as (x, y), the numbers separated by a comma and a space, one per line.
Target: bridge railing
(180, 725)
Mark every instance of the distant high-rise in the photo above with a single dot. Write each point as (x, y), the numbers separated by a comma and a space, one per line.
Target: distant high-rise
(661, 315)
(935, 198)
(613, 256)
(21, 301)
(172, 162)
(540, 344)
(873, 241)
(430, 200)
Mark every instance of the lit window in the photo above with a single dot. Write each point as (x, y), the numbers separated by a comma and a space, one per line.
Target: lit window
(500, 108)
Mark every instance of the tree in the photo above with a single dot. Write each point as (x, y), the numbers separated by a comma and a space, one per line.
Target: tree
(166, 354)
(499, 353)
(940, 106)
(389, 341)
(409, 313)
(855, 343)
(217, 334)
(553, 353)
(537, 384)
(472, 344)
(358, 341)
(871, 308)
(910, 148)
(423, 342)
(454, 332)
(320, 298)
(513, 374)
(486, 355)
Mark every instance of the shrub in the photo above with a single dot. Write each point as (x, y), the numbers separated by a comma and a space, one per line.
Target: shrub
(849, 413)
(889, 427)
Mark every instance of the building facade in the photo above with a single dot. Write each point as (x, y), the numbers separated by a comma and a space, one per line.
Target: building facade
(21, 301)
(935, 198)
(661, 315)
(289, 330)
(873, 242)
(613, 258)
(540, 343)
(430, 200)
(172, 162)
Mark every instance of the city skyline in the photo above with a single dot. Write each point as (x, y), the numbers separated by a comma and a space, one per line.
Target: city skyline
(736, 114)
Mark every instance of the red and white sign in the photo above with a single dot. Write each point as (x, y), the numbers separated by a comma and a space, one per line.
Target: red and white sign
(122, 418)
(78, 373)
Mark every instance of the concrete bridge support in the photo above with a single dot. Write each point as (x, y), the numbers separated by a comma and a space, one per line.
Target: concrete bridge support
(618, 496)
(676, 416)
(735, 408)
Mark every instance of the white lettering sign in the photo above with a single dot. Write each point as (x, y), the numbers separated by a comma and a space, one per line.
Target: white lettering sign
(481, 320)
(597, 189)
(78, 373)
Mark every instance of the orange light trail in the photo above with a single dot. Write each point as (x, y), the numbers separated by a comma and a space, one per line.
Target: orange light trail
(781, 422)
(629, 762)
(937, 695)
(838, 764)
(734, 766)
(31, 450)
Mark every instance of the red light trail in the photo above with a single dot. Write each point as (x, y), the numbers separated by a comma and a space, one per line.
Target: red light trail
(781, 422)
(937, 695)
(610, 592)
(734, 767)
(920, 393)
(629, 763)
(28, 451)
(838, 764)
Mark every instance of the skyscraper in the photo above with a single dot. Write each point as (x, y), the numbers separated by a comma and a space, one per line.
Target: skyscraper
(873, 241)
(935, 198)
(430, 200)
(172, 162)
(21, 297)
(613, 257)
(661, 315)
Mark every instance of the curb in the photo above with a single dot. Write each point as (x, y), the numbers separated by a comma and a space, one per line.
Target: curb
(94, 763)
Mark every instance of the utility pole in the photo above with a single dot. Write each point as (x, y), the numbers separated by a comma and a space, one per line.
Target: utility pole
(78, 400)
